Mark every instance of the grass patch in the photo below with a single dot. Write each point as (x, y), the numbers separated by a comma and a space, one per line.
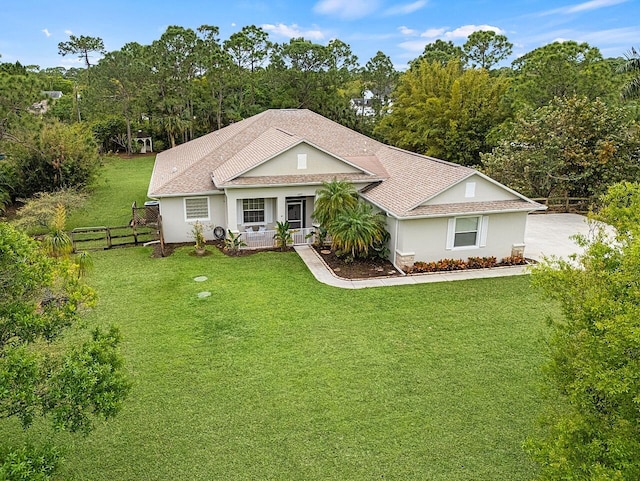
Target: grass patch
(278, 377)
(121, 181)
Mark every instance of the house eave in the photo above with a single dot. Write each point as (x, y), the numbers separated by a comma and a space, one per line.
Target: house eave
(470, 213)
(185, 194)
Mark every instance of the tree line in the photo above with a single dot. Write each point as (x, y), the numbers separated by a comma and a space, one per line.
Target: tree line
(452, 102)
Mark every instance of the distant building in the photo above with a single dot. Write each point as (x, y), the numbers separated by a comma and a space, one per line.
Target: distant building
(41, 107)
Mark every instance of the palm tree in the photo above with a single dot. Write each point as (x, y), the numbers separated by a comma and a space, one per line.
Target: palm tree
(333, 198)
(356, 230)
(632, 89)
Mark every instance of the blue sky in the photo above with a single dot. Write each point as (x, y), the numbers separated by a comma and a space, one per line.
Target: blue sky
(30, 30)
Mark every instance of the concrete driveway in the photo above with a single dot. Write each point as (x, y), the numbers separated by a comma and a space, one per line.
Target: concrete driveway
(549, 234)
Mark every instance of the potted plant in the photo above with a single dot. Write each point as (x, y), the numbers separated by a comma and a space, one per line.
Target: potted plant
(198, 235)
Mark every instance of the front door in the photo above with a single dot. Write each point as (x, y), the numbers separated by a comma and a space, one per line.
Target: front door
(295, 213)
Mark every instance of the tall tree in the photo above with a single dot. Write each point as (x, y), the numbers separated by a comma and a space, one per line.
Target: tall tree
(380, 78)
(561, 69)
(81, 46)
(439, 51)
(118, 80)
(249, 50)
(49, 367)
(485, 48)
(573, 146)
(174, 68)
(592, 430)
(631, 89)
(446, 111)
(215, 73)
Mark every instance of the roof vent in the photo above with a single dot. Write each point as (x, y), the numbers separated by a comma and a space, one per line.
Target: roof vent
(174, 170)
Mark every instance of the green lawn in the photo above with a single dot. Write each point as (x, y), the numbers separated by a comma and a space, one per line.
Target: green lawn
(120, 183)
(277, 377)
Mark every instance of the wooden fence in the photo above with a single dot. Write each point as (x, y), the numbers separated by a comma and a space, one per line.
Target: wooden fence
(577, 205)
(96, 238)
(145, 228)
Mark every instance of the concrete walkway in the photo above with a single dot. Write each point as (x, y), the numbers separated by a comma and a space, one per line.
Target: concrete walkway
(546, 235)
(324, 274)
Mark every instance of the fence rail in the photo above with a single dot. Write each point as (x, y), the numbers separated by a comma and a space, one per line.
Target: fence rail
(578, 205)
(264, 239)
(101, 237)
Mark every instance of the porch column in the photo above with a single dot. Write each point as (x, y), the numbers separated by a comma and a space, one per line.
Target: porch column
(281, 208)
(232, 213)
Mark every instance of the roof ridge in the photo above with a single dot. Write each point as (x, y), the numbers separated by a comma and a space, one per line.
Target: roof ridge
(428, 157)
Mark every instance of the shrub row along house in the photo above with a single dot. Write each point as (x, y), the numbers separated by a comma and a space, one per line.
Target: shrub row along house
(267, 168)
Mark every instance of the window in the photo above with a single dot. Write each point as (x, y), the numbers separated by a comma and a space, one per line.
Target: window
(252, 211)
(466, 232)
(196, 208)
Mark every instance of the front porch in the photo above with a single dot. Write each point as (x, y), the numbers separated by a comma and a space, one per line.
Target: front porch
(255, 213)
(264, 239)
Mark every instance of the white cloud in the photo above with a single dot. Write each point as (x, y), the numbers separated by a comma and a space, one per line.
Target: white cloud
(46, 32)
(293, 31)
(433, 32)
(428, 36)
(406, 9)
(233, 24)
(416, 46)
(68, 32)
(583, 7)
(466, 30)
(346, 9)
(407, 31)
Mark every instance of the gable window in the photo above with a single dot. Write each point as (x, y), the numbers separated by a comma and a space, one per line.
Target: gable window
(252, 211)
(467, 232)
(196, 208)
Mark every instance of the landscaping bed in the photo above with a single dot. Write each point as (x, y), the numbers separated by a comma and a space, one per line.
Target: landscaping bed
(358, 268)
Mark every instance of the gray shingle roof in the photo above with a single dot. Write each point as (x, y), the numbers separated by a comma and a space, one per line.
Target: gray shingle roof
(218, 159)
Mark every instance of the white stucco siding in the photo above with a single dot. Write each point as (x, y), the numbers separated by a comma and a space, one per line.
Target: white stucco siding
(177, 229)
(472, 189)
(427, 238)
(314, 161)
(275, 203)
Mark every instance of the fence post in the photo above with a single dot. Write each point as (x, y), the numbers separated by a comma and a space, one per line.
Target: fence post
(109, 238)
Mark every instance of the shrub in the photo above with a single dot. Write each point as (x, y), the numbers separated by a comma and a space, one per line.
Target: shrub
(355, 231)
(481, 262)
(513, 261)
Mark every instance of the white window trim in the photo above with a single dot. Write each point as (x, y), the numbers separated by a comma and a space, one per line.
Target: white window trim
(196, 219)
(264, 211)
(481, 237)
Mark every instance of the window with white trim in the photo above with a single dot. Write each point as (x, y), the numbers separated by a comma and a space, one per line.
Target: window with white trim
(302, 161)
(466, 232)
(196, 208)
(252, 211)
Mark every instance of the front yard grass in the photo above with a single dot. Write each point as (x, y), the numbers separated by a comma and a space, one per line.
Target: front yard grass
(277, 377)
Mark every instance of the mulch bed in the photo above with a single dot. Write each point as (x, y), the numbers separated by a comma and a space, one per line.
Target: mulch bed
(359, 268)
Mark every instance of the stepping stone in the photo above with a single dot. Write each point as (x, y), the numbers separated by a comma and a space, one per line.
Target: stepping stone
(325, 252)
(200, 278)
(202, 295)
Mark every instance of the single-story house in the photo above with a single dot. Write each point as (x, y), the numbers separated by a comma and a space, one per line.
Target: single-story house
(267, 168)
